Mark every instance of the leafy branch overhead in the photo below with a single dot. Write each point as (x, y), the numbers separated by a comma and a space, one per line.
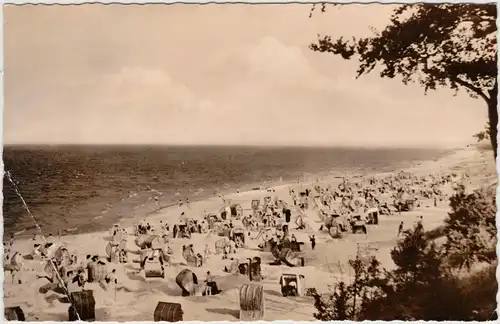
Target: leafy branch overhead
(448, 45)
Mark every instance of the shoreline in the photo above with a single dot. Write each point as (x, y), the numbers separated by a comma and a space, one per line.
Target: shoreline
(328, 262)
(128, 208)
(331, 176)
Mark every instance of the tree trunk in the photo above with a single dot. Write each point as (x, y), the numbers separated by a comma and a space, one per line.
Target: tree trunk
(493, 117)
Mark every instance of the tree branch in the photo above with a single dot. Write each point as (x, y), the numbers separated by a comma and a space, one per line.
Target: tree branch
(475, 89)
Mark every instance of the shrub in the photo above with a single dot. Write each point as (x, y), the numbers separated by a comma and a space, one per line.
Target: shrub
(346, 301)
(421, 287)
(470, 228)
(424, 285)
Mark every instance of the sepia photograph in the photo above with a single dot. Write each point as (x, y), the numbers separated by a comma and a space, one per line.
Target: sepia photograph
(250, 162)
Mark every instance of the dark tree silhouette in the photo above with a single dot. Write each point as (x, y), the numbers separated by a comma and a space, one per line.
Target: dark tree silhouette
(420, 287)
(470, 228)
(436, 45)
(484, 135)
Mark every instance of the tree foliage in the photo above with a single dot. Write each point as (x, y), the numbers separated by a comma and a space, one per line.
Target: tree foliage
(470, 228)
(421, 287)
(347, 300)
(483, 135)
(436, 45)
(419, 274)
(417, 259)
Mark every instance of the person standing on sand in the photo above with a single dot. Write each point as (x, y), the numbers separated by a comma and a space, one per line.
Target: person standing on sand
(420, 226)
(11, 242)
(209, 283)
(174, 231)
(400, 229)
(206, 253)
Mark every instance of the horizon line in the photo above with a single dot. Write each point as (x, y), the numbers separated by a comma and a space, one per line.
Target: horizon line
(357, 146)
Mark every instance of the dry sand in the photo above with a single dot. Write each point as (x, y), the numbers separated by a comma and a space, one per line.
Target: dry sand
(137, 301)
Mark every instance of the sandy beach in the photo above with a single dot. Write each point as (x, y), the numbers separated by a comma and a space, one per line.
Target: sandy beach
(136, 297)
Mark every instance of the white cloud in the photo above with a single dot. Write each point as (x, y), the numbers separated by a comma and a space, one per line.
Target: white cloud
(141, 79)
(278, 63)
(146, 89)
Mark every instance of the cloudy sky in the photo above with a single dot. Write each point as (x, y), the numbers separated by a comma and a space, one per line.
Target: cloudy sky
(211, 74)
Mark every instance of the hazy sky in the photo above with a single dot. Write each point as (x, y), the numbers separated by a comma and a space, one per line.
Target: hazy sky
(211, 74)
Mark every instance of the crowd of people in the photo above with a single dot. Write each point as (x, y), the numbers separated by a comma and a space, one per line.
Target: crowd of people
(272, 223)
